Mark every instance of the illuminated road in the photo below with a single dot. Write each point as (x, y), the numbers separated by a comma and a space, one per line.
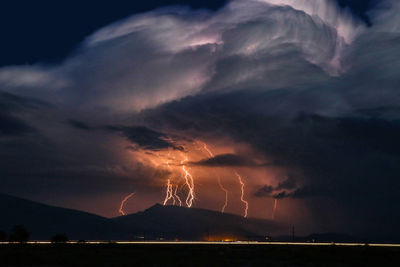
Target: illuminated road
(211, 243)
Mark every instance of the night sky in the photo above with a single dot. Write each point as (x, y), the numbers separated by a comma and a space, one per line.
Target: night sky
(187, 102)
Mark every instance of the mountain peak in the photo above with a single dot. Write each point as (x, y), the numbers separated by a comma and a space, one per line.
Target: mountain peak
(158, 221)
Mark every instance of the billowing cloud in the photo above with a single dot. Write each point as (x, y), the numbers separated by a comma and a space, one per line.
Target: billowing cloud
(165, 55)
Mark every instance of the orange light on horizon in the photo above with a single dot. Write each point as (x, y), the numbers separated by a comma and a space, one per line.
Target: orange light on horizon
(222, 238)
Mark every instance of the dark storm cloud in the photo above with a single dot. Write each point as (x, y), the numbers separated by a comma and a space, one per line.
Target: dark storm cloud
(11, 102)
(264, 191)
(353, 159)
(299, 193)
(41, 167)
(290, 183)
(80, 125)
(144, 137)
(227, 160)
(47, 179)
(11, 126)
(281, 195)
(42, 157)
(303, 192)
(310, 191)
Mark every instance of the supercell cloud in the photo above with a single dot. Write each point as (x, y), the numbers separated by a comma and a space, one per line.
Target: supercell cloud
(300, 97)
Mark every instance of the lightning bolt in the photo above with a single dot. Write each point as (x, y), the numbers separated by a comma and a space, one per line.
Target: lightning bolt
(189, 181)
(226, 194)
(208, 150)
(121, 207)
(177, 197)
(169, 193)
(219, 180)
(274, 210)
(242, 194)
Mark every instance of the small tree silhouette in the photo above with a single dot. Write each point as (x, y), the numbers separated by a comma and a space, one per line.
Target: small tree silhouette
(59, 238)
(19, 234)
(3, 236)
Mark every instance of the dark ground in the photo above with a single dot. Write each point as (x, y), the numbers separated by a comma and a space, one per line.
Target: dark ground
(195, 255)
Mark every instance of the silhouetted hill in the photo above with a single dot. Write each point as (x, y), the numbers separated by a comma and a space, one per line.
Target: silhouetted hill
(168, 222)
(158, 222)
(194, 224)
(44, 221)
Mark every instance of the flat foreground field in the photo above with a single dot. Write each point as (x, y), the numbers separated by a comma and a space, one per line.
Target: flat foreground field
(195, 255)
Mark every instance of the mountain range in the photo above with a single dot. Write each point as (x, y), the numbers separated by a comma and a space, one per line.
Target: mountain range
(156, 223)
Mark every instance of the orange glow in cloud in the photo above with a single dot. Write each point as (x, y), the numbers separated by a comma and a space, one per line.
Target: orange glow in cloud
(121, 207)
(208, 151)
(170, 159)
(242, 194)
(180, 181)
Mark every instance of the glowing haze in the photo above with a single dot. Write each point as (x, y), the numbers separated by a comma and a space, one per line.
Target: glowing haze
(278, 109)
